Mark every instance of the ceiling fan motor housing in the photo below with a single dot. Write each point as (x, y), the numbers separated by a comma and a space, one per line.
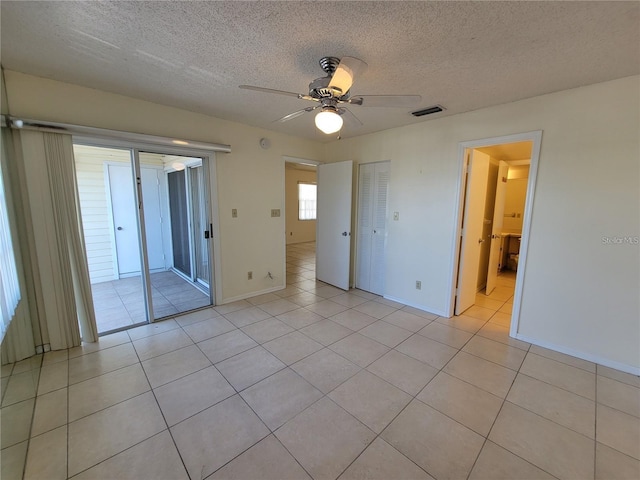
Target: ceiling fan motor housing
(320, 89)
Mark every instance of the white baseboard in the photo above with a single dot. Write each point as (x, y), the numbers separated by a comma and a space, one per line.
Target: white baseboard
(244, 296)
(582, 355)
(416, 305)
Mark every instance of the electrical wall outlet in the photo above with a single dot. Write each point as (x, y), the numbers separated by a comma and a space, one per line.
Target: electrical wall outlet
(275, 212)
(249, 275)
(418, 285)
(234, 213)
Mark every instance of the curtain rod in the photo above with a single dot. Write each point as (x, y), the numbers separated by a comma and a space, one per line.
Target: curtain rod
(44, 126)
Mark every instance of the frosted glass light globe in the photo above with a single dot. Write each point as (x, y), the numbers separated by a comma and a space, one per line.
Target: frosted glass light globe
(328, 121)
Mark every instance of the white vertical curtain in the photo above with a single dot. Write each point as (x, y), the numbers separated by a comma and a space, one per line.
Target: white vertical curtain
(76, 300)
(17, 327)
(50, 234)
(9, 286)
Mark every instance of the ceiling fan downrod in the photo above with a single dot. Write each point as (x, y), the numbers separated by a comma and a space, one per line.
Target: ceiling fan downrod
(329, 64)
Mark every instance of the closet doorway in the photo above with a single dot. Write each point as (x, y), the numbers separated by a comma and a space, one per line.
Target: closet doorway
(373, 194)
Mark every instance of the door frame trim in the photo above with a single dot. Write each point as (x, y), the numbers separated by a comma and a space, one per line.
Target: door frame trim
(536, 138)
(112, 226)
(283, 165)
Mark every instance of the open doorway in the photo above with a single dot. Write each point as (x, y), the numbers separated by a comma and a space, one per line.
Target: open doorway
(333, 205)
(496, 195)
(301, 182)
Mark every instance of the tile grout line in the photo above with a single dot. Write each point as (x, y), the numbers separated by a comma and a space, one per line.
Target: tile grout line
(414, 398)
(238, 393)
(68, 411)
(486, 438)
(160, 409)
(326, 395)
(595, 428)
(33, 412)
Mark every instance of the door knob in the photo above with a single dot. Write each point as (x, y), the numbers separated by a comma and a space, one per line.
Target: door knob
(480, 240)
(344, 234)
(119, 228)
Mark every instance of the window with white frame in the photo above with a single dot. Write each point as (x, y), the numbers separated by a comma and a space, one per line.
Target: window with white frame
(307, 201)
(9, 286)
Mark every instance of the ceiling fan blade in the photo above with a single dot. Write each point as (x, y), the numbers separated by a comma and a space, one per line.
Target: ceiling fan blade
(279, 92)
(385, 100)
(348, 69)
(350, 117)
(296, 114)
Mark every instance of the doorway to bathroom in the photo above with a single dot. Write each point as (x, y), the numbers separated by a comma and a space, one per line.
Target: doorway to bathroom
(498, 178)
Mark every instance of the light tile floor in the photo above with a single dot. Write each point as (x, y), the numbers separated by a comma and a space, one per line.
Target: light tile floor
(304, 384)
(120, 303)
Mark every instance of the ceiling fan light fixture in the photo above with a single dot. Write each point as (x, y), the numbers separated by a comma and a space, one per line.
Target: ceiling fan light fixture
(328, 121)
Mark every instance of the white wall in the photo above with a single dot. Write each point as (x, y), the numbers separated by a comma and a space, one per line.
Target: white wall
(249, 179)
(580, 296)
(514, 203)
(90, 172)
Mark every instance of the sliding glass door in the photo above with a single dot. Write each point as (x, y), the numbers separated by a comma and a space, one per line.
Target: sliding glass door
(199, 195)
(145, 220)
(181, 285)
(180, 222)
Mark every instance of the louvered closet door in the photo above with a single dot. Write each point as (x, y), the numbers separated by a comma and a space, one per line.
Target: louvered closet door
(372, 226)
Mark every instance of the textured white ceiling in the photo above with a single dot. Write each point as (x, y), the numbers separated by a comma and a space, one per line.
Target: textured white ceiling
(193, 55)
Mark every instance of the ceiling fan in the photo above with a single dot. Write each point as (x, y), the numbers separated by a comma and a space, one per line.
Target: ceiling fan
(330, 93)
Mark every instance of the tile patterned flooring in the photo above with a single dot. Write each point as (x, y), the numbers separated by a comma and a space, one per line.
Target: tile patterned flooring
(314, 382)
(120, 303)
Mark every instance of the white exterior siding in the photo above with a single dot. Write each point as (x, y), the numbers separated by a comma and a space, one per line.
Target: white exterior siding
(96, 221)
(95, 209)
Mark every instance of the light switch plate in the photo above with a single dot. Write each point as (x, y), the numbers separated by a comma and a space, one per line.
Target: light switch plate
(396, 216)
(275, 212)
(234, 213)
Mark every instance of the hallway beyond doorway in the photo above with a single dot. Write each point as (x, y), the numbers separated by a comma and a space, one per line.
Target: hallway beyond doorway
(496, 307)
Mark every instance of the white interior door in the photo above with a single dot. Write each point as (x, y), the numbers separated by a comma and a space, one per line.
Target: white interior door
(333, 224)
(366, 175)
(496, 227)
(123, 207)
(153, 199)
(373, 190)
(472, 223)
